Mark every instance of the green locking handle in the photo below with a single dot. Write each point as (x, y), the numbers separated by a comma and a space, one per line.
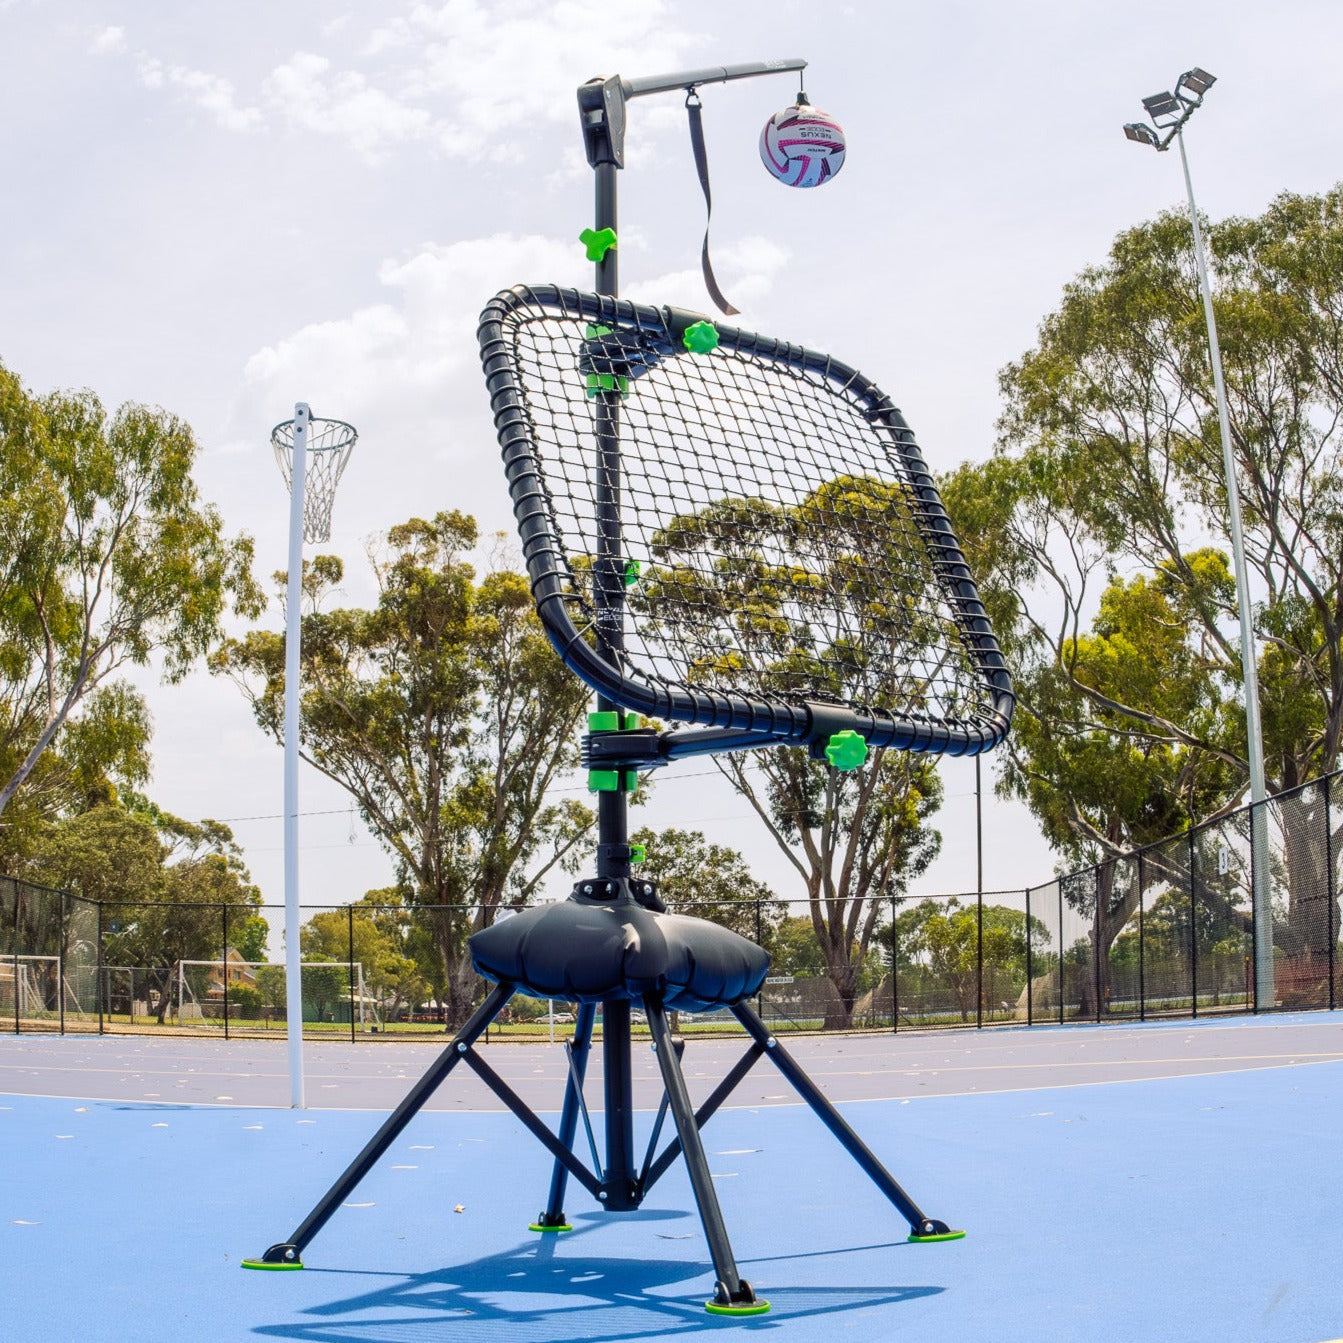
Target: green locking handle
(846, 750)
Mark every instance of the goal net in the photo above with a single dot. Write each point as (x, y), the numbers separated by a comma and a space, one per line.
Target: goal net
(32, 986)
(332, 991)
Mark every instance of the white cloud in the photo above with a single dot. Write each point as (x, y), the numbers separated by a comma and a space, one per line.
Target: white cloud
(211, 93)
(411, 361)
(108, 41)
(470, 78)
(344, 104)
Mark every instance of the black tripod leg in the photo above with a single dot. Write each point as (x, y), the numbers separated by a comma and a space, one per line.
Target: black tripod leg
(732, 1293)
(921, 1227)
(286, 1253)
(553, 1218)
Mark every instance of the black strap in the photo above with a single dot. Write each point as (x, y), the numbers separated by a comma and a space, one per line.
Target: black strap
(692, 103)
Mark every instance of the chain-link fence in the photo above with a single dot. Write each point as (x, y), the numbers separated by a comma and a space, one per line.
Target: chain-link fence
(1167, 931)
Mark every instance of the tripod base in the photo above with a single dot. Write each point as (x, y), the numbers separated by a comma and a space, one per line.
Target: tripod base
(618, 1182)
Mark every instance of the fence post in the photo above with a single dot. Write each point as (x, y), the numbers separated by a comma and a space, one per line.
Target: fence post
(895, 969)
(1030, 986)
(223, 911)
(1193, 925)
(101, 973)
(759, 941)
(1142, 941)
(60, 964)
(1063, 968)
(17, 897)
(1329, 886)
(349, 911)
(1096, 935)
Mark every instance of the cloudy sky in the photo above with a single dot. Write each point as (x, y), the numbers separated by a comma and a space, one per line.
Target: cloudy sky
(225, 208)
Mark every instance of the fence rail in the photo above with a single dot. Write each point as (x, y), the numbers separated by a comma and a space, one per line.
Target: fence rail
(1166, 931)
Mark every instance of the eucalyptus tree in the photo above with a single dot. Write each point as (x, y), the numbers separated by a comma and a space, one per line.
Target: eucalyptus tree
(790, 596)
(1107, 489)
(446, 715)
(109, 559)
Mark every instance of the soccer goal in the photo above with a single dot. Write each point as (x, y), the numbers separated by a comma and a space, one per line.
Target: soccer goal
(333, 992)
(32, 986)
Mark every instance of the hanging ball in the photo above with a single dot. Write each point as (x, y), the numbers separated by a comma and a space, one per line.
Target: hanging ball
(802, 146)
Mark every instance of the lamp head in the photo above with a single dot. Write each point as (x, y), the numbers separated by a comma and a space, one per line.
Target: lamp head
(1142, 133)
(1165, 109)
(1193, 84)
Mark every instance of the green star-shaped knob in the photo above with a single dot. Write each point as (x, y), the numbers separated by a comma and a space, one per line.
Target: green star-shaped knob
(700, 337)
(846, 750)
(598, 242)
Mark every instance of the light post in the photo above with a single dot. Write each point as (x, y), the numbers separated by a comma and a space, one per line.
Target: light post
(1169, 112)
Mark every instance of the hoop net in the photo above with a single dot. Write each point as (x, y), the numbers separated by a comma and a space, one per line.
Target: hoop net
(780, 536)
(329, 445)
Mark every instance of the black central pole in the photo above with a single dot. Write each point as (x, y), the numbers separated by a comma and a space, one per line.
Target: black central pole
(601, 105)
(620, 1186)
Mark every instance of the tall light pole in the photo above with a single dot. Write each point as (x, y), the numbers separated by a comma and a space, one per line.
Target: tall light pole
(1169, 112)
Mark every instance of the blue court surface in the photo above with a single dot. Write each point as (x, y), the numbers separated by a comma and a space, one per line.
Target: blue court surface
(1195, 1209)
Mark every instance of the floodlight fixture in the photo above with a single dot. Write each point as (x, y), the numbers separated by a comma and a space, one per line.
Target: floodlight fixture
(1193, 84)
(1142, 133)
(1164, 108)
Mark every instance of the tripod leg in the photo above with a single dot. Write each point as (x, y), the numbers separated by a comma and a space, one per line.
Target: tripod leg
(286, 1253)
(921, 1227)
(553, 1219)
(733, 1294)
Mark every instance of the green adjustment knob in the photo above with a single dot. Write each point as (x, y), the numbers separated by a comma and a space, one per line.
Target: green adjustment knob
(598, 242)
(637, 853)
(633, 569)
(846, 750)
(700, 337)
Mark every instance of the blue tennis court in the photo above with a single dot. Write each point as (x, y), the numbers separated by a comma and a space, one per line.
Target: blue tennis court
(1193, 1207)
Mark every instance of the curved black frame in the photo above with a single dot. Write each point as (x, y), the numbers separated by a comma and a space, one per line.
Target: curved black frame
(734, 721)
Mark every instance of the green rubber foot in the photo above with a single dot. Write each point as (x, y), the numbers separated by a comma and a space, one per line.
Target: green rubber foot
(945, 1235)
(753, 1308)
(261, 1263)
(546, 1230)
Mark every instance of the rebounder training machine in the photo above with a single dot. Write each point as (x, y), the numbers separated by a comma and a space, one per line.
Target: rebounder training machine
(736, 543)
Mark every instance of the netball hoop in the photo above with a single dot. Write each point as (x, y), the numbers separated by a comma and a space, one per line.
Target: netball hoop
(328, 444)
(312, 455)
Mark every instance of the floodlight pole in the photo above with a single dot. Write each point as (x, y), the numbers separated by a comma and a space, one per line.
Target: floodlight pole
(292, 959)
(1188, 97)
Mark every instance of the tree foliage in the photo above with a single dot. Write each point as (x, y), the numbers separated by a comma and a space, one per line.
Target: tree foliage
(1101, 528)
(168, 889)
(108, 559)
(813, 602)
(708, 881)
(446, 715)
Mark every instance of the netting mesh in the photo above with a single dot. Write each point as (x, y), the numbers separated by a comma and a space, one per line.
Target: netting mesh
(778, 534)
(328, 449)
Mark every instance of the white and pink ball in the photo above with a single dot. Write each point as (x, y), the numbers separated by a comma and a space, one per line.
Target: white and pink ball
(802, 146)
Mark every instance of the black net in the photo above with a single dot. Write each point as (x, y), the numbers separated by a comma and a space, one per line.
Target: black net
(1307, 932)
(752, 521)
(1224, 914)
(1044, 941)
(1168, 944)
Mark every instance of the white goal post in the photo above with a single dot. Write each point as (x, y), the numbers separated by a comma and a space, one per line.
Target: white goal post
(199, 985)
(33, 985)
